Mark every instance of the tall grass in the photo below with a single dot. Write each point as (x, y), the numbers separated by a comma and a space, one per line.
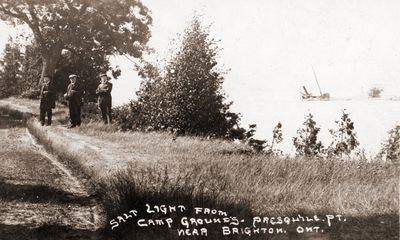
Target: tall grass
(134, 188)
(365, 193)
(216, 174)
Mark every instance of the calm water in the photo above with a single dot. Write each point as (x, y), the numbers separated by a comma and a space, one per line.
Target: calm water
(372, 119)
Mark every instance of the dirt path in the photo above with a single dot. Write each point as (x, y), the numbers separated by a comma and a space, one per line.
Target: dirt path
(39, 197)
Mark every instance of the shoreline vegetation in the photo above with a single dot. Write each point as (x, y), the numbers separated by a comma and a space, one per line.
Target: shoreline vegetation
(127, 170)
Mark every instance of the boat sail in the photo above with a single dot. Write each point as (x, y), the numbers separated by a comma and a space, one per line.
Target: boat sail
(306, 95)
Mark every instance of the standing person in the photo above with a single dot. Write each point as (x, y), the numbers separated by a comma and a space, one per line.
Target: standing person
(104, 100)
(74, 97)
(47, 101)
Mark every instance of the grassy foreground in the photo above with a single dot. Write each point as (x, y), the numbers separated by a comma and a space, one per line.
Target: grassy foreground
(156, 169)
(216, 174)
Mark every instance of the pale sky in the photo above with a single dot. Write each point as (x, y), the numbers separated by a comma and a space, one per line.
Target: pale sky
(272, 45)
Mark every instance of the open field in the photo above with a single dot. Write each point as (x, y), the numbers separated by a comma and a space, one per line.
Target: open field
(130, 169)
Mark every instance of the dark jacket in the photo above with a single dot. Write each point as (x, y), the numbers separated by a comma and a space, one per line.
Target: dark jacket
(47, 96)
(104, 92)
(74, 94)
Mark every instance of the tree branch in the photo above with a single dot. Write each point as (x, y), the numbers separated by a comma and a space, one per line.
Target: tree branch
(35, 23)
(18, 15)
(129, 59)
(23, 17)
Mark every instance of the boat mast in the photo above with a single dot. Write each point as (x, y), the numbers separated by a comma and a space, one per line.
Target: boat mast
(315, 75)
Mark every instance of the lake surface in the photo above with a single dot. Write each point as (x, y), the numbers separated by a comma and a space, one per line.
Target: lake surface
(372, 119)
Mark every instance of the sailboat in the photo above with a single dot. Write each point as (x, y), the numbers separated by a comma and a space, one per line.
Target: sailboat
(309, 97)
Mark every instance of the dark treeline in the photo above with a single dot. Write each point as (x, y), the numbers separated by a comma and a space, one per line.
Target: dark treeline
(21, 69)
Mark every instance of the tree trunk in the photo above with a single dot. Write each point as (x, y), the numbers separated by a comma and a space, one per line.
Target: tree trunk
(50, 59)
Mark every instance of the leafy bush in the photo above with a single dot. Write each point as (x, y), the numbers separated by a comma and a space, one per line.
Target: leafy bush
(186, 95)
(277, 138)
(306, 143)
(10, 64)
(257, 144)
(20, 70)
(344, 138)
(91, 111)
(391, 147)
(263, 145)
(127, 116)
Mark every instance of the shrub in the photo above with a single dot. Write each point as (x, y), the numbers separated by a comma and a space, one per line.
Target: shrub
(10, 82)
(91, 111)
(306, 143)
(276, 139)
(256, 144)
(124, 116)
(186, 95)
(263, 145)
(391, 147)
(344, 137)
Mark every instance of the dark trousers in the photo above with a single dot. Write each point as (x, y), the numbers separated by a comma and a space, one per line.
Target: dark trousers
(106, 113)
(44, 110)
(105, 107)
(75, 113)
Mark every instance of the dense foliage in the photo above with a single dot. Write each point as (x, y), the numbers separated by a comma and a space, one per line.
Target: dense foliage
(306, 142)
(10, 74)
(105, 26)
(391, 147)
(23, 70)
(344, 138)
(186, 95)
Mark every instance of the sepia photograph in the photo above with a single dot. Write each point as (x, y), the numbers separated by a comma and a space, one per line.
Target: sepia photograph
(199, 119)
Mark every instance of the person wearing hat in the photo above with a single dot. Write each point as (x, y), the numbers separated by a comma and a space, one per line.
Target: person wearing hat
(104, 99)
(74, 97)
(47, 101)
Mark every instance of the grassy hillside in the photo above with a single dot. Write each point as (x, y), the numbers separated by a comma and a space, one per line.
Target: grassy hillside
(131, 169)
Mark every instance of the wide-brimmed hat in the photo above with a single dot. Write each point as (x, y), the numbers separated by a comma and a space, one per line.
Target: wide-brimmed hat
(103, 75)
(72, 76)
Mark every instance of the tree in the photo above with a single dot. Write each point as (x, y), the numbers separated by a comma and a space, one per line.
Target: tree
(344, 138)
(306, 143)
(186, 96)
(263, 145)
(31, 67)
(10, 67)
(20, 71)
(257, 144)
(87, 65)
(109, 26)
(277, 137)
(391, 147)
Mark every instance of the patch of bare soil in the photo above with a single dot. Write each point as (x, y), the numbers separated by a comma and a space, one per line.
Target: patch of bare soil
(39, 197)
